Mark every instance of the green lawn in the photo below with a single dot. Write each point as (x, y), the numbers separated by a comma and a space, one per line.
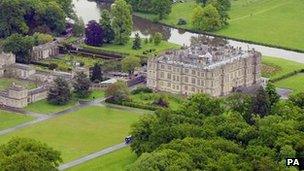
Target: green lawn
(148, 98)
(127, 49)
(116, 161)
(6, 82)
(8, 120)
(80, 133)
(296, 83)
(43, 107)
(276, 67)
(96, 94)
(276, 22)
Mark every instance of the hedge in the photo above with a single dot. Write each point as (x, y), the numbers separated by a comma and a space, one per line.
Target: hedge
(290, 74)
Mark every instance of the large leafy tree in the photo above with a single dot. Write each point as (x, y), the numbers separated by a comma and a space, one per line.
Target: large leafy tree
(19, 45)
(60, 92)
(82, 85)
(28, 155)
(28, 16)
(105, 23)
(130, 63)
(96, 73)
(162, 8)
(261, 103)
(118, 92)
(94, 34)
(122, 21)
(206, 19)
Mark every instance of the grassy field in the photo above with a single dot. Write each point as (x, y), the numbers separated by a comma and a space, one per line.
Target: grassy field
(116, 161)
(276, 67)
(80, 133)
(127, 49)
(276, 22)
(296, 83)
(96, 94)
(148, 99)
(43, 107)
(6, 82)
(8, 120)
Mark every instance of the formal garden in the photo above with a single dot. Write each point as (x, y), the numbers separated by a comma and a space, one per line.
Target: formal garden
(258, 21)
(284, 73)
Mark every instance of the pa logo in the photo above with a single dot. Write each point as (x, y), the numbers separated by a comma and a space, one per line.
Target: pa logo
(297, 162)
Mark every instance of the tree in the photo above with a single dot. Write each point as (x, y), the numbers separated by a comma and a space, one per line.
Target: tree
(274, 97)
(94, 34)
(298, 99)
(130, 63)
(28, 16)
(162, 8)
(105, 23)
(96, 73)
(82, 85)
(137, 42)
(122, 21)
(28, 154)
(162, 160)
(206, 19)
(202, 105)
(261, 103)
(78, 27)
(118, 92)
(157, 38)
(161, 101)
(59, 93)
(41, 38)
(19, 45)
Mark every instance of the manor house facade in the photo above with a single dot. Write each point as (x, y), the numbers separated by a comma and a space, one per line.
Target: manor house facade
(201, 68)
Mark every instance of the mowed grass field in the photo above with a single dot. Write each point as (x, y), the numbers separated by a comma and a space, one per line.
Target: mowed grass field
(80, 133)
(296, 83)
(116, 161)
(43, 107)
(8, 119)
(276, 22)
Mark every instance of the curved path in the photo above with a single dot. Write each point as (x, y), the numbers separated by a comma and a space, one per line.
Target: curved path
(92, 156)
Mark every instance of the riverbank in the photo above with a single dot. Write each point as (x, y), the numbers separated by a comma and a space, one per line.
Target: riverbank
(257, 22)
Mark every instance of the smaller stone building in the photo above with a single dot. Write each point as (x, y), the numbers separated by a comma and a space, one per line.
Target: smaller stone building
(45, 51)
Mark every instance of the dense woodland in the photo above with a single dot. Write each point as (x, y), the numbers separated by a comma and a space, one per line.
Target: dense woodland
(240, 132)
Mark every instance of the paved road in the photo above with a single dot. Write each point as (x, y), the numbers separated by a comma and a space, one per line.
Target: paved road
(92, 156)
(41, 118)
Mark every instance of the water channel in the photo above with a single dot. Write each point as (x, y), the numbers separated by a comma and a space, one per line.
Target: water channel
(90, 10)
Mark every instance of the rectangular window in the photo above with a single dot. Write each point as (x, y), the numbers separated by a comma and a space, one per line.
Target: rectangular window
(193, 81)
(169, 76)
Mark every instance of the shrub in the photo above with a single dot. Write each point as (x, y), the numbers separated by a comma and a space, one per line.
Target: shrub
(53, 66)
(142, 89)
(181, 21)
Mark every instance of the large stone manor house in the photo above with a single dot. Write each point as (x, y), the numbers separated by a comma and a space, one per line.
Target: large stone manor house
(214, 70)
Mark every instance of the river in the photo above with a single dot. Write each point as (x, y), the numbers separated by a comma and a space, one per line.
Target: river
(90, 10)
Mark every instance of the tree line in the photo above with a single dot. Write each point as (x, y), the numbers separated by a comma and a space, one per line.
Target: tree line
(239, 132)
